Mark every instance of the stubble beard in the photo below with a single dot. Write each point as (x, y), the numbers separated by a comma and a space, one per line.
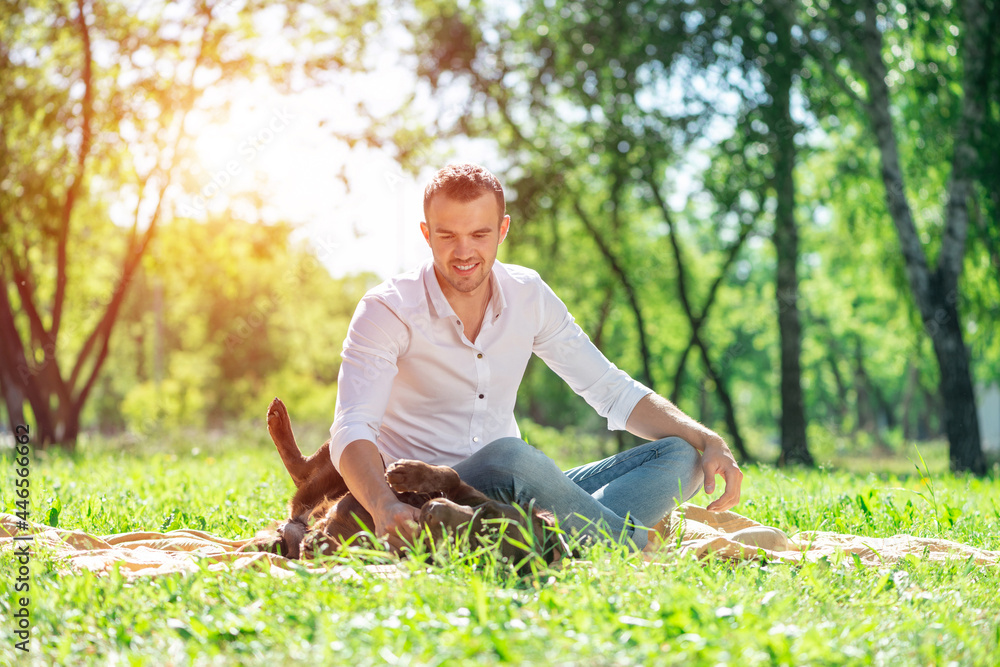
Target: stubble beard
(469, 283)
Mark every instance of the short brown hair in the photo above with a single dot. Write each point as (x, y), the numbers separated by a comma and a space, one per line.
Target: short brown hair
(464, 183)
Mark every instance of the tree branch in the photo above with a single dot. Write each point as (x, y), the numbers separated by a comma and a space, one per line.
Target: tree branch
(74, 188)
(135, 249)
(873, 69)
(25, 288)
(626, 284)
(727, 402)
(820, 54)
(967, 135)
(696, 323)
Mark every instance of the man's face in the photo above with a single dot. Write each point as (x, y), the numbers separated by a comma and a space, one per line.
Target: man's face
(464, 237)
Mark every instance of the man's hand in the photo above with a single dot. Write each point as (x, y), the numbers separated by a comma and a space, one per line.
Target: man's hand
(655, 417)
(716, 459)
(397, 524)
(363, 470)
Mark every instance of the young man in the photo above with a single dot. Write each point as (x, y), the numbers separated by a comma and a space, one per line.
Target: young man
(431, 367)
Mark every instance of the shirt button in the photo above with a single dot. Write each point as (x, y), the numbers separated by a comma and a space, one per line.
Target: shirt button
(475, 440)
(479, 356)
(482, 396)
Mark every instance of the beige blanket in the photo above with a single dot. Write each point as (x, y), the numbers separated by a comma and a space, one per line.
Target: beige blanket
(689, 530)
(694, 530)
(147, 553)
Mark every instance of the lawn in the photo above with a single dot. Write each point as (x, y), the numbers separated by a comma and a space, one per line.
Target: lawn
(610, 610)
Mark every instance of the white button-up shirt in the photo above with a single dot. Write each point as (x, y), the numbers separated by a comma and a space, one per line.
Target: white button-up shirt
(412, 383)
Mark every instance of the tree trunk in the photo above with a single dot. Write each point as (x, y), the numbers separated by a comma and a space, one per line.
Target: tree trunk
(961, 420)
(19, 379)
(13, 399)
(602, 317)
(727, 404)
(936, 292)
(704, 409)
(778, 74)
(841, 406)
(864, 416)
(867, 398)
(912, 379)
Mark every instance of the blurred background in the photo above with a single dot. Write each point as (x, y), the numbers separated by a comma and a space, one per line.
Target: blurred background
(785, 215)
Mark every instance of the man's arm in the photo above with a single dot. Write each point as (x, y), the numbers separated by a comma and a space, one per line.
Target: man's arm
(374, 341)
(567, 350)
(655, 417)
(362, 468)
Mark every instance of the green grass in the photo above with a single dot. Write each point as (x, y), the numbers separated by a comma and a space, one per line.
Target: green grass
(608, 611)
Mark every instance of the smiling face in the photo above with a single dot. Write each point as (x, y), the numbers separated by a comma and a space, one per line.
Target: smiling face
(464, 237)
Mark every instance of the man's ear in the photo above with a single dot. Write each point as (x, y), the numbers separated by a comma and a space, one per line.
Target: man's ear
(504, 227)
(426, 231)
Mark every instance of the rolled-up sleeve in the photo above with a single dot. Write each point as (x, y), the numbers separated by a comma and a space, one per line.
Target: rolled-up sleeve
(567, 350)
(374, 342)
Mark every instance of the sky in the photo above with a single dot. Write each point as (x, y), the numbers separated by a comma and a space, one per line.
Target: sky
(281, 149)
(369, 224)
(277, 148)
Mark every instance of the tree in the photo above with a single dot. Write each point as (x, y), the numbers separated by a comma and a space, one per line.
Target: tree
(860, 34)
(222, 316)
(576, 102)
(598, 107)
(96, 109)
(756, 43)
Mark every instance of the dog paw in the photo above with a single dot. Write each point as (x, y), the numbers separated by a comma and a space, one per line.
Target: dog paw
(270, 541)
(418, 477)
(405, 476)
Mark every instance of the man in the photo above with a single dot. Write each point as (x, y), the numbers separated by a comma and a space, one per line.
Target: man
(431, 367)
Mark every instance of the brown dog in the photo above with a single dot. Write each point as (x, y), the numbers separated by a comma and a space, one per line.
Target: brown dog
(323, 514)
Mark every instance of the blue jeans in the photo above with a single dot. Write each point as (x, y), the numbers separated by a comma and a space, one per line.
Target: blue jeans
(621, 496)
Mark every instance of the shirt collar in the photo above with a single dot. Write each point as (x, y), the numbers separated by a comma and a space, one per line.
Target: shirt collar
(439, 305)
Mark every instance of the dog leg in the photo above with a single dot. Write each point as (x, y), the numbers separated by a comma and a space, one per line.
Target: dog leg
(407, 476)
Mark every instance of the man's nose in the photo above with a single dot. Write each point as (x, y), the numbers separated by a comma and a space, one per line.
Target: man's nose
(463, 247)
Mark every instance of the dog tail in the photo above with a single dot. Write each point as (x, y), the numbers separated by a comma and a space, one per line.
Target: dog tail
(279, 427)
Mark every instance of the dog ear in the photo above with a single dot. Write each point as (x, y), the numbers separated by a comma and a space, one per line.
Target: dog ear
(291, 533)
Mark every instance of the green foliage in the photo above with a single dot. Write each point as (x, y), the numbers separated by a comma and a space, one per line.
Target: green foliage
(101, 103)
(224, 316)
(676, 612)
(593, 105)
